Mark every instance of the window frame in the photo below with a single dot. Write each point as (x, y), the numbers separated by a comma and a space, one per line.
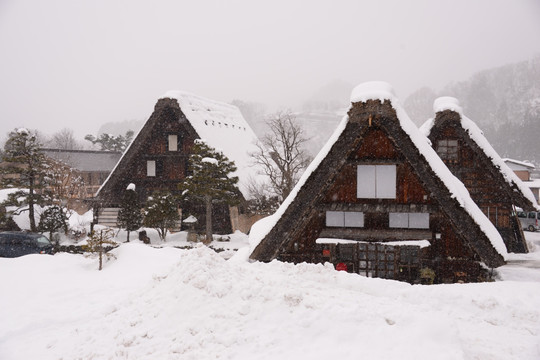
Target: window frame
(151, 168)
(345, 219)
(396, 220)
(172, 142)
(376, 181)
(447, 151)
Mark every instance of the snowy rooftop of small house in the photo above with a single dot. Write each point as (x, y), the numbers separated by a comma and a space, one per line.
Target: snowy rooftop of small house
(85, 160)
(377, 90)
(223, 127)
(450, 103)
(525, 164)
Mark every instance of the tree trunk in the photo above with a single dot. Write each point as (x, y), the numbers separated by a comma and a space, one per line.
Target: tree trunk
(208, 219)
(31, 207)
(100, 250)
(128, 235)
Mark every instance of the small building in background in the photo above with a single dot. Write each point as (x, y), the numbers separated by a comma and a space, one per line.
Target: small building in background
(525, 171)
(522, 169)
(92, 166)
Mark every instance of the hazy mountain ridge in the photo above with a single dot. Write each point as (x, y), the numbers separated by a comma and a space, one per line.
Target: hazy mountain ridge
(504, 102)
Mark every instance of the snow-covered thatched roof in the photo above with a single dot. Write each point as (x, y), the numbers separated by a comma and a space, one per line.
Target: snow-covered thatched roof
(476, 135)
(222, 127)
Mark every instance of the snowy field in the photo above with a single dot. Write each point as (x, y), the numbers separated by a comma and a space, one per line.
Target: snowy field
(169, 303)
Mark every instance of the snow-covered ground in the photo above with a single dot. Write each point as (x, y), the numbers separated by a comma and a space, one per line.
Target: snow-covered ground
(170, 303)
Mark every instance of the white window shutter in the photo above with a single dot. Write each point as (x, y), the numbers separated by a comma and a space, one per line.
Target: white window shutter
(335, 218)
(419, 220)
(365, 182)
(386, 181)
(354, 219)
(398, 220)
(150, 168)
(173, 142)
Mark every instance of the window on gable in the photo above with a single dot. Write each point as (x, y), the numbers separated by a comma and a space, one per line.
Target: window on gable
(151, 168)
(376, 182)
(173, 142)
(344, 219)
(409, 220)
(447, 149)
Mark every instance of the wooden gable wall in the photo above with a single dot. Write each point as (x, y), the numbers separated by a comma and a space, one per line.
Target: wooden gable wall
(411, 196)
(151, 144)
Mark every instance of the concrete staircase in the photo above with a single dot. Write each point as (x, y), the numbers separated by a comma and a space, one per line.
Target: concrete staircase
(108, 216)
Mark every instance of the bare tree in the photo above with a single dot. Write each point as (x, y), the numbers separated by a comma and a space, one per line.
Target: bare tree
(281, 154)
(65, 140)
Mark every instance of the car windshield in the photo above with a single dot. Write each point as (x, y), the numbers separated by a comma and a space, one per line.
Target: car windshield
(42, 241)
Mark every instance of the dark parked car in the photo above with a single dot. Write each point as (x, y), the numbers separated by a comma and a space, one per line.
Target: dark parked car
(14, 244)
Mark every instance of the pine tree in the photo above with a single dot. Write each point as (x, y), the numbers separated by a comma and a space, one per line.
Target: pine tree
(52, 219)
(161, 213)
(130, 216)
(110, 142)
(210, 180)
(99, 242)
(26, 170)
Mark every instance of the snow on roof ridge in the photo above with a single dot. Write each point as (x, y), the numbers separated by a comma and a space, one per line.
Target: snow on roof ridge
(447, 103)
(373, 90)
(379, 90)
(176, 94)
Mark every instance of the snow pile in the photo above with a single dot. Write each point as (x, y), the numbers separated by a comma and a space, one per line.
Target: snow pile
(223, 127)
(378, 90)
(450, 103)
(191, 304)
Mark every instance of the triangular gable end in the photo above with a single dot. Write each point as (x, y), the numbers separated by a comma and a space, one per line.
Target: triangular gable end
(311, 210)
(469, 156)
(131, 168)
(221, 125)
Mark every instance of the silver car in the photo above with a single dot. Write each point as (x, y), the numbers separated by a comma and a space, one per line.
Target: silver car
(529, 220)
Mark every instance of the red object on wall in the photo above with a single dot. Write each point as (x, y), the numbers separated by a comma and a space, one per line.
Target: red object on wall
(341, 267)
(326, 252)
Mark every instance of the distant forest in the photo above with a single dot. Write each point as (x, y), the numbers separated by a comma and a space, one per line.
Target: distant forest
(504, 102)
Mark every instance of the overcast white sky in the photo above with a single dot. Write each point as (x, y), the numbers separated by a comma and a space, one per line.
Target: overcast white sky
(79, 64)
